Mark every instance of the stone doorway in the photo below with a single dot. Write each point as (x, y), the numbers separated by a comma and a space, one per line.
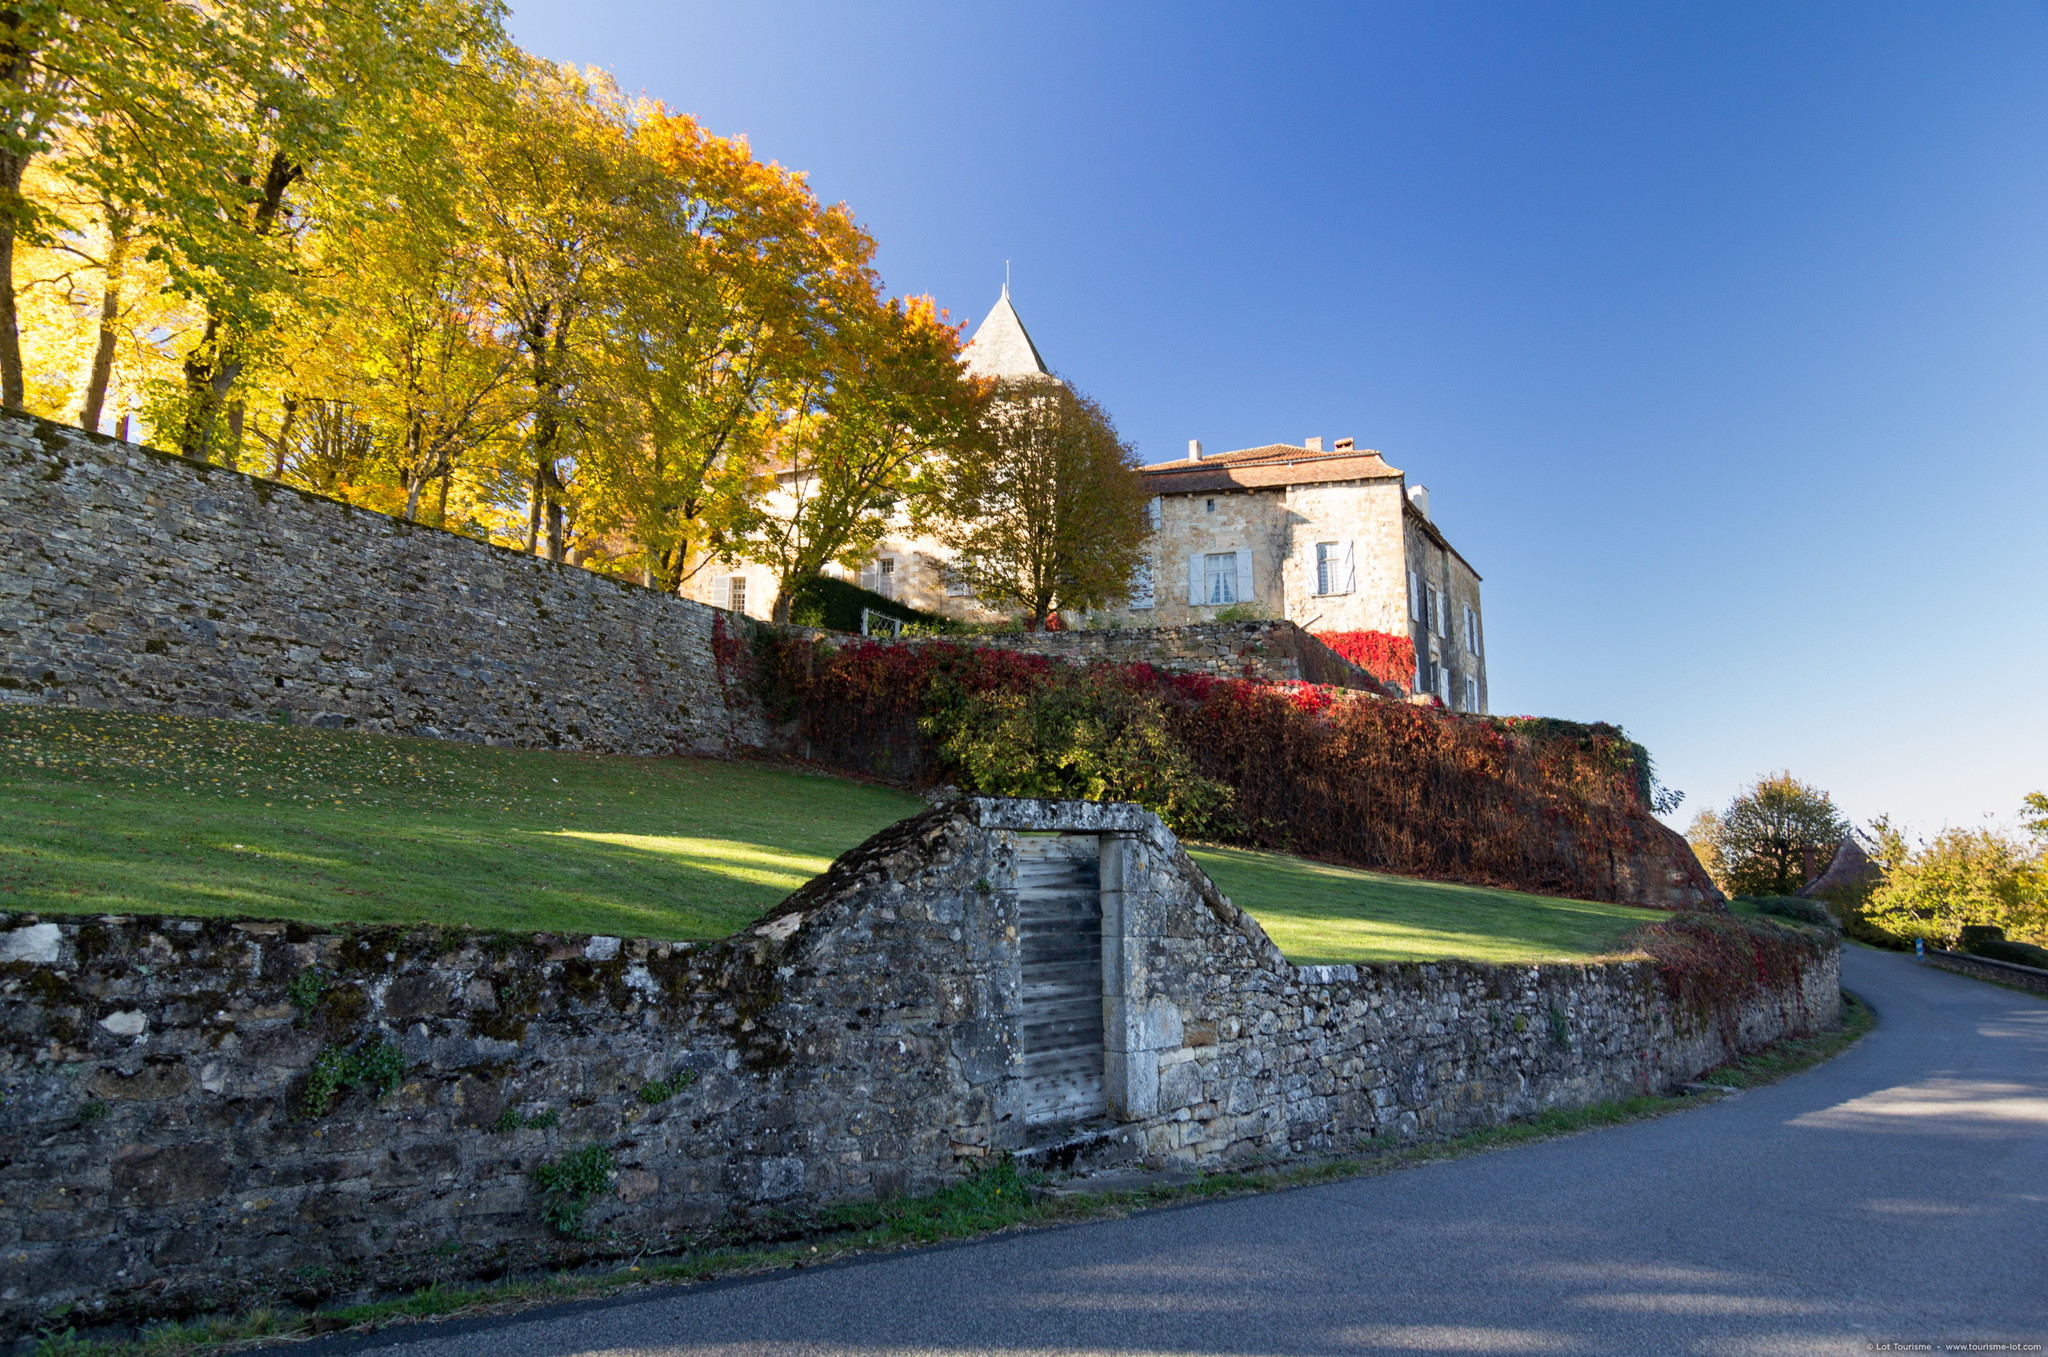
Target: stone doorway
(1060, 1028)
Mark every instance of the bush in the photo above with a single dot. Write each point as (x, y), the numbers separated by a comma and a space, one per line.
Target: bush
(835, 605)
(1793, 907)
(1090, 734)
(1552, 807)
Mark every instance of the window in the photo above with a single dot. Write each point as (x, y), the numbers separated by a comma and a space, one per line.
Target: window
(1414, 597)
(1220, 572)
(736, 593)
(1471, 630)
(1152, 512)
(1141, 582)
(1209, 507)
(957, 585)
(1334, 573)
(880, 577)
(1471, 693)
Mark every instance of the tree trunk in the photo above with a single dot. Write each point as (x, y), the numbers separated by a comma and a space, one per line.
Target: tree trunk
(415, 473)
(284, 434)
(110, 311)
(210, 372)
(13, 388)
(441, 500)
(533, 513)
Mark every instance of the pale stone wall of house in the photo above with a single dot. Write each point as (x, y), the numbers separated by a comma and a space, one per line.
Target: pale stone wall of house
(1363, 521)
(1253, 521)
(1446, 646)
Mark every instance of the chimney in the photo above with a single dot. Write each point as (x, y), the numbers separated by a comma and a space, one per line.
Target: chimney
(1194, 449)
(1312, 444)
(1418, 495)
(1346, 445)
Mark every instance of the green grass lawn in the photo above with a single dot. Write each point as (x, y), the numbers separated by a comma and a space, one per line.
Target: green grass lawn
(119, 814)
(104, 813)
(1318, 914)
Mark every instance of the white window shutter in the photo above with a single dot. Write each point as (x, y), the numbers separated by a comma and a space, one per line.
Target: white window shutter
(1247, 592)
(1414, 597)
(1347, 577)
(1195, 582)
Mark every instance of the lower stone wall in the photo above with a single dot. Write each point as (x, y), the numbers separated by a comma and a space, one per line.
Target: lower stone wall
(1986, 968)
(196, 1113)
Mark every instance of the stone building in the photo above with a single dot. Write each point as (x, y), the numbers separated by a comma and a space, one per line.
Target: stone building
(1331, 539)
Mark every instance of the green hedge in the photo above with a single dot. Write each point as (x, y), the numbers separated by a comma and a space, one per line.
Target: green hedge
(835, 605)
(1793, 907)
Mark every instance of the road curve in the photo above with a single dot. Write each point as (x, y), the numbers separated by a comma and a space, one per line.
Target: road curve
(1897, 1194)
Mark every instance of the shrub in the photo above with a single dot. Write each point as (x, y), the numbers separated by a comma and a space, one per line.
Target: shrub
(568, 1184)
(1793, 907)
(376, 1064)
(1713, 964)
(1555, 807)
(1092, 734)
(835, 605)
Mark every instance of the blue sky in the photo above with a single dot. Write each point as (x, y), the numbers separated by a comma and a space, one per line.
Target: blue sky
(1718, 331)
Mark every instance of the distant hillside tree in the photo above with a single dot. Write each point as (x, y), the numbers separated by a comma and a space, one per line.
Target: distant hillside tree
(1054, 515)
(1704, 834)
(1960, 877)
(1769, 835)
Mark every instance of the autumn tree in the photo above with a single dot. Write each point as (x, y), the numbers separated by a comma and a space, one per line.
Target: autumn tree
(741, 287)
(1704, 834)
(893, 412)
(1961, 877)
(1053, 515)
(316, 108)
(1773, 837)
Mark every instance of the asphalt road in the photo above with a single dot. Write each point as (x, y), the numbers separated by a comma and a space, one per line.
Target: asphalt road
(1898, 1194)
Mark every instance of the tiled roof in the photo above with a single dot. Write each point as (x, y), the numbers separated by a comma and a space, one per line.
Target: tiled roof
(1269, 467)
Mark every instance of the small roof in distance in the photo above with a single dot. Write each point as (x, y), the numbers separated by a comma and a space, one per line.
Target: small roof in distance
(1001, 347)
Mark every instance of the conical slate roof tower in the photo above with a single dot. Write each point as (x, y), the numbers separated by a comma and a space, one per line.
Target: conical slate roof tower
(1001, 347)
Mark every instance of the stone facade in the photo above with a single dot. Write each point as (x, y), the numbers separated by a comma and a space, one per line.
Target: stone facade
(132, 579)
(163, 1148)
(1331, 541)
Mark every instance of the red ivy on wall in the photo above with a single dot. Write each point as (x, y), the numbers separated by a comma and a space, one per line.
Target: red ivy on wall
(1388, 658)
(1553, 807)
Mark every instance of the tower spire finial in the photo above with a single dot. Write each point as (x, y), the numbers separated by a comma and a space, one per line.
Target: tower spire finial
(1006, 280)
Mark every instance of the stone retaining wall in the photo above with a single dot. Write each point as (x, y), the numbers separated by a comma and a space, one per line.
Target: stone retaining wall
(1988, 968)
(136, 580)
(1271, 650)
(164, 1148)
